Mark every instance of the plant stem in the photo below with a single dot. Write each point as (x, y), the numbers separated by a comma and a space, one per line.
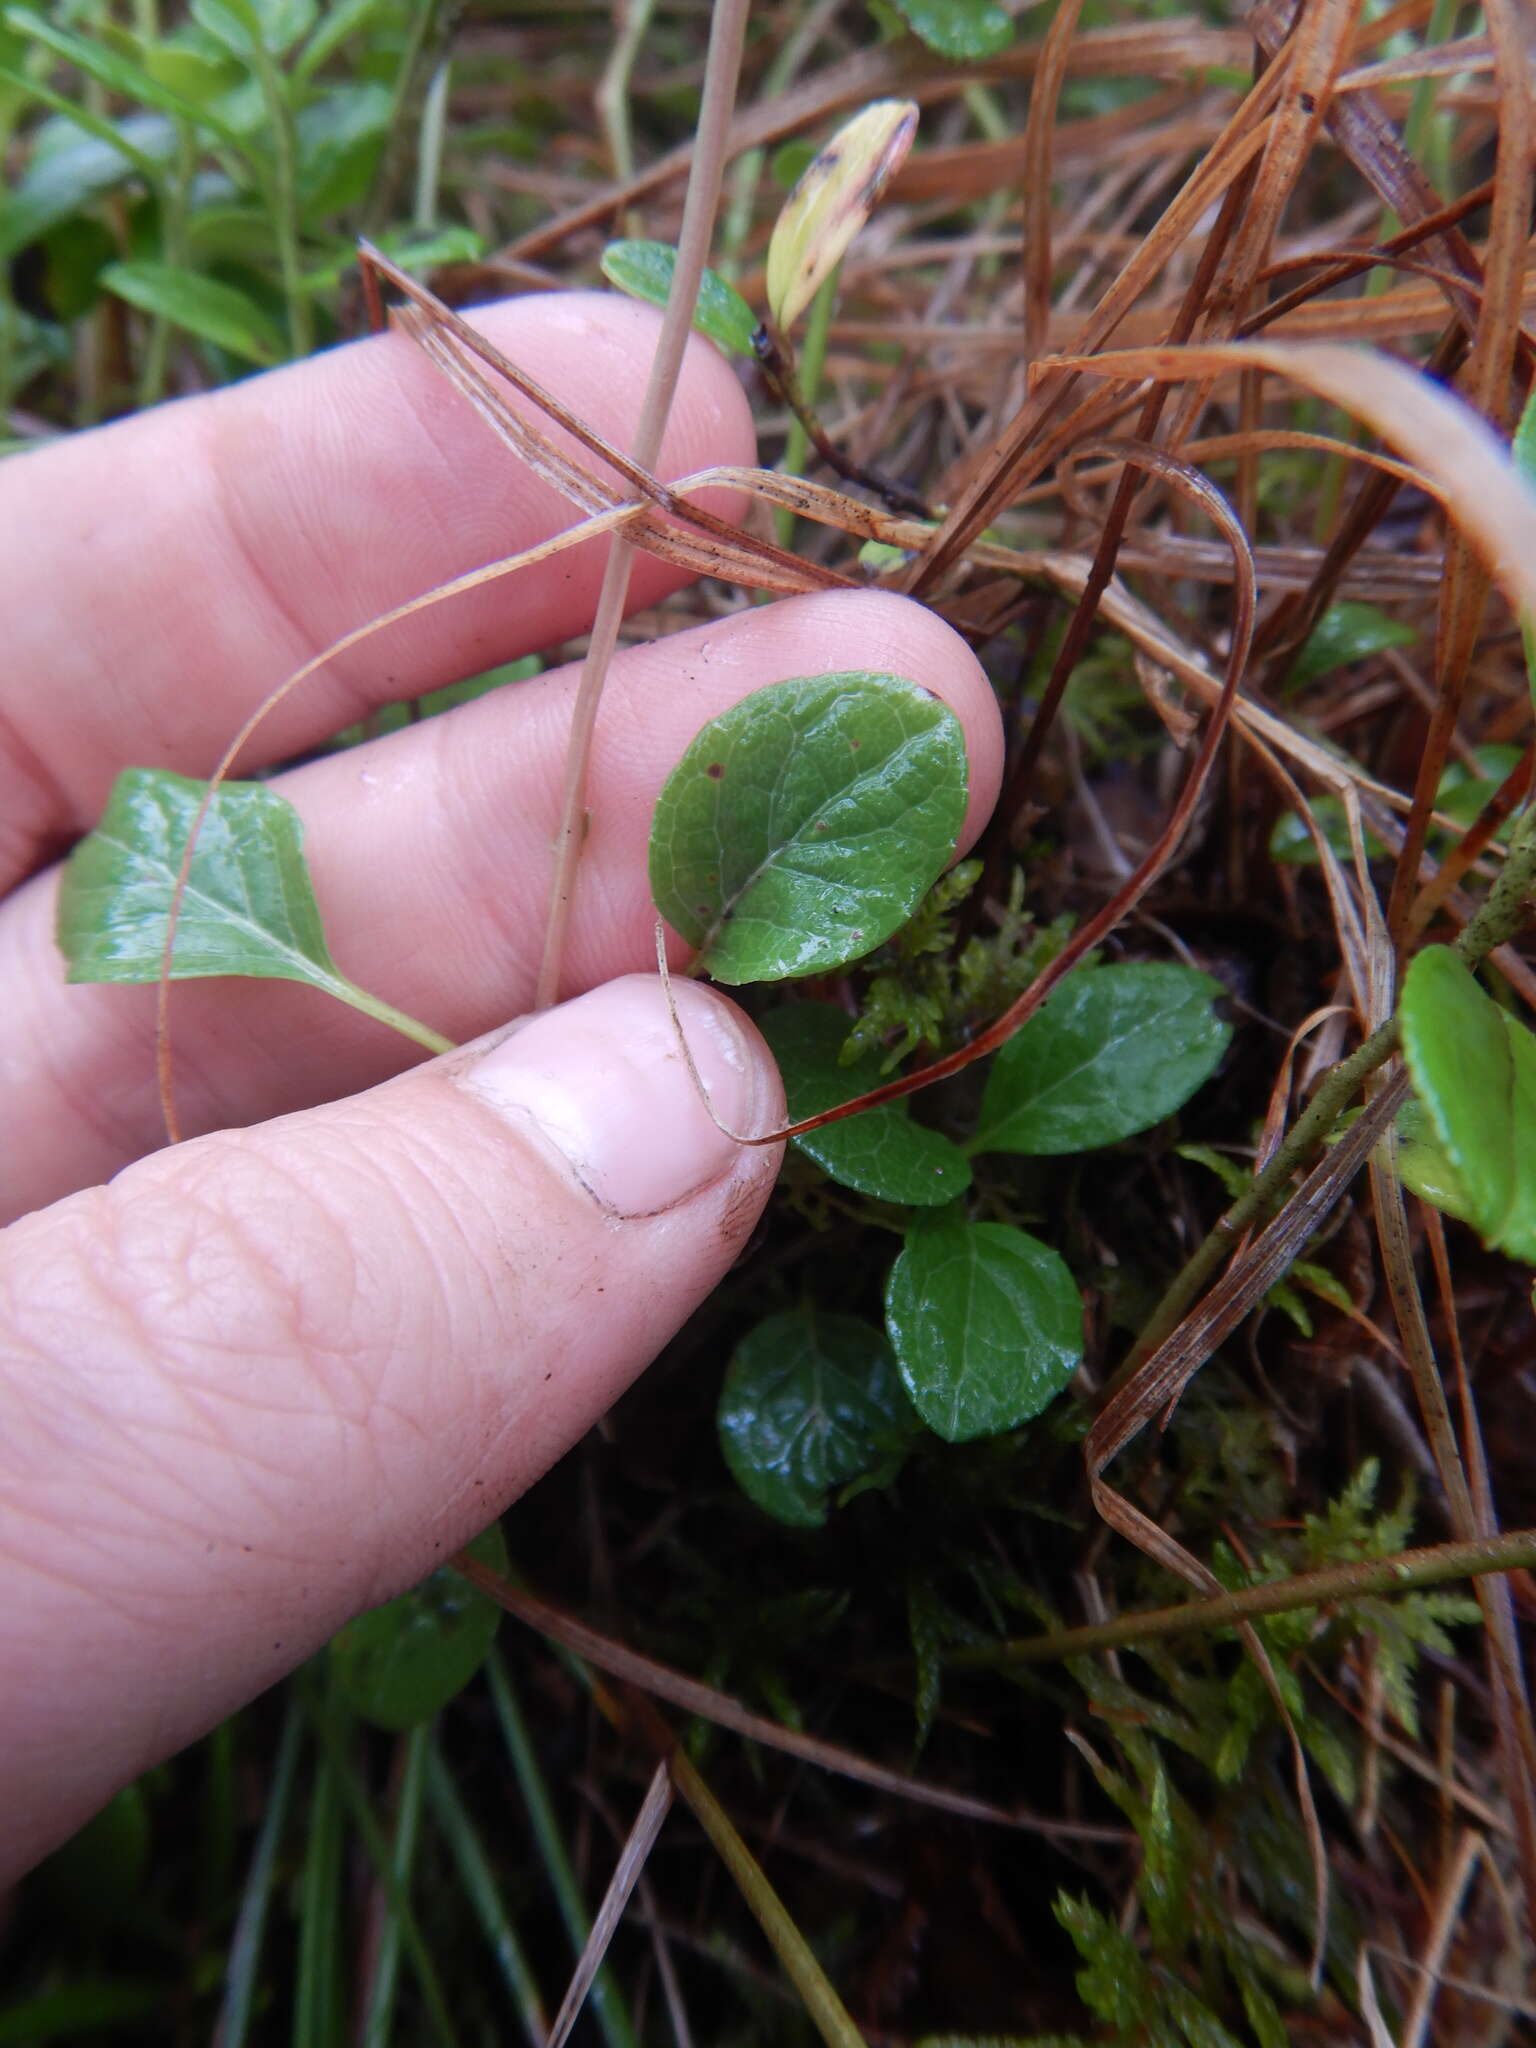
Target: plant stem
(607, 2005)
(1495, 923)
(285, 200)
(826, 2009)
(813, 356)
(1512, 1551)
(1263, 1196)
(727, 29)
(429, 153)
(386, 1013)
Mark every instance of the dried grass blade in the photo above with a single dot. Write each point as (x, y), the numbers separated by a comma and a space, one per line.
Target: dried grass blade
(1487, 390)
(1156, 49)
(661, 1682)
(1462, 462)
(1039, 137)
(632, 1861)
(727, 32)
(1017, 457)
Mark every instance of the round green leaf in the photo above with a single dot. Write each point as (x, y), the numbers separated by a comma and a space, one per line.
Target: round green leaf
(882, 1151)
(986, 1322)
(1474, 1068)
(1112, 1052)
(810, 1402)
(804, 825)
(960, 29)
(402, 1662)
(1347, 633)
(202, 305)
(645, 270)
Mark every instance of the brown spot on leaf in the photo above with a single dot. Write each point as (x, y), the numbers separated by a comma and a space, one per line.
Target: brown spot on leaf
(715, 770)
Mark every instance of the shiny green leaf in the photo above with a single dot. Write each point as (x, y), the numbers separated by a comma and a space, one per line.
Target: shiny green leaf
(1474, 1069)
(881, 1152)
(645, 270)
(960, 29)
(401, 1663)
(986, 1323)
(1347, 633)
(810, 1401)
(1113, 1051)
(204, 306)
(804, 825)
(248, 907)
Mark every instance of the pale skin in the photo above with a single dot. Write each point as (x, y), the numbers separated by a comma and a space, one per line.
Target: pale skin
(263, 1380)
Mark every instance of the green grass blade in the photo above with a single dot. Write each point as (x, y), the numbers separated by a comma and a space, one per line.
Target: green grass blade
(240, 1977)
(479, 1882)
(608, 2006)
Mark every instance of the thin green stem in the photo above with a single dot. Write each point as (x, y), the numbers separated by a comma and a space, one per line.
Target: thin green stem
(480, 1888)
(386, 1013)
(813, 357)
(607, 2005)
(409, 1804)
(1263, 1196)
(242, 1971)
(826, 2009)
(1366, 1579)
(429, 153)
(1500, 917)
(284, 196)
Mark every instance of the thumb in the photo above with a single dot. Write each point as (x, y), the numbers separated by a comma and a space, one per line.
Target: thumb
(270, 1378)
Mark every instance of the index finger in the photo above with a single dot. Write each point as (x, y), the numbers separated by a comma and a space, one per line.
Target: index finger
(159, 576)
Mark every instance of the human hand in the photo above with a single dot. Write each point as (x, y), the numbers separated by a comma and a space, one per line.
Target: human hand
(269, 1378)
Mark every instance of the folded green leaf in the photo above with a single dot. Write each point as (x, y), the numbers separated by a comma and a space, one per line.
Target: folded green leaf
(401, 1663)
(645, 270)
(986, 1323)
(1112, 1052)
(204, 306)
(810, 1402)
(1474, 1067)
(881, 1152)
(804, 825)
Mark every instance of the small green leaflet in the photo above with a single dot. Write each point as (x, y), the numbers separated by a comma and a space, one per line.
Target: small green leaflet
(810, 1402)
(1346, 633)
(202, 305)
(248, 909)
(400, 1663)
(804, 825)
(645, 270)
(1112, 1052)
(960, 29)
(986, 1323)
(881, 1152)
(1474, 1067)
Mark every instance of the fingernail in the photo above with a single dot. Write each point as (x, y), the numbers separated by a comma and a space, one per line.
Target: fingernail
(603, 1082)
